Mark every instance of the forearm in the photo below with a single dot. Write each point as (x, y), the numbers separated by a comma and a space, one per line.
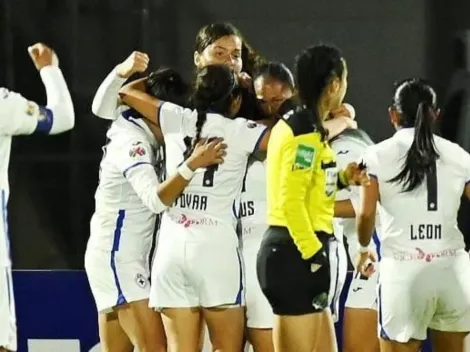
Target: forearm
(344, 209)
(336, 126)
(365, 228)
(59, 101)
(133, 95)
(106, 98)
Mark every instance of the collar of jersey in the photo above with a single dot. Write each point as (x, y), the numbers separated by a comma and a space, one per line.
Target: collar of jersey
(140, 123)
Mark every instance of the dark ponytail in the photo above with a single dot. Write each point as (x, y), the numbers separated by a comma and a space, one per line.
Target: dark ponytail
(421, 158)
(315, 67)
(214, 91)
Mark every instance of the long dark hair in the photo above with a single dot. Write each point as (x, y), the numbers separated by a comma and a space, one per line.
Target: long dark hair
(214, 90)
(416, 103)
(314, 69)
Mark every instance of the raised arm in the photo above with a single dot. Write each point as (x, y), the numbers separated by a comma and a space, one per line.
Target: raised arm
(106, 99)
(20, 116)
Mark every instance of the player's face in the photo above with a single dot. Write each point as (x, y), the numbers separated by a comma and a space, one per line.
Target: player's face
(338, 88)
(271, 93)
(224, 51)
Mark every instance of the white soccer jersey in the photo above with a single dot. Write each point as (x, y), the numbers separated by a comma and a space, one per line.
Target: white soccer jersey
(253, 201)
(126, 197)
(212, 196)
(424, 220)
(349, 147)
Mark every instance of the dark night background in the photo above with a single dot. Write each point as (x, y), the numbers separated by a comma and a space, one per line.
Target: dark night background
(53, 179)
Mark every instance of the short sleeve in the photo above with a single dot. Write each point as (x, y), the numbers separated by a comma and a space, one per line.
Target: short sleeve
(173, 118)
(20, 116)
(248, 134)
(346, 151)
(131, 155)
(371, 161)
(464, 160)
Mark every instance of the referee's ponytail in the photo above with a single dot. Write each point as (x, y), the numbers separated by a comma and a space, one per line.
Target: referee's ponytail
(415, 104)
(315, 68)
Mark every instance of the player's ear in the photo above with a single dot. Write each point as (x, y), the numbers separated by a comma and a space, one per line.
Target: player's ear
(197, 59)
(392, 113)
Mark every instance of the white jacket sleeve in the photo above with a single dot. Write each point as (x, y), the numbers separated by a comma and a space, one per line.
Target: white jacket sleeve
(106, 98)
(20, 116)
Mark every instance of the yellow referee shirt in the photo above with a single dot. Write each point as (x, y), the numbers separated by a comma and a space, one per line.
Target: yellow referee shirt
(301, 182)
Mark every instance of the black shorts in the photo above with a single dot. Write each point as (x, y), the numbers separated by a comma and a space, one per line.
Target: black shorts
(287, 280)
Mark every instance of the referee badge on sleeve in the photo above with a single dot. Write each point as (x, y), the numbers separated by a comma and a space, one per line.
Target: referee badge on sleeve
(304, 156)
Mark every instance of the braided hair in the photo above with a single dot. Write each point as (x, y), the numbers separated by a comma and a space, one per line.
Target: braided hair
(214, 90)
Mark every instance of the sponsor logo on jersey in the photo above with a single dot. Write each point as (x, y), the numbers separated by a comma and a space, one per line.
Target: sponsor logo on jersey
(357, 289)
(304, 157)
(188, 222)
(251, 125)
(420, 254)
(342, 152)
(141, 280)
(137, 150)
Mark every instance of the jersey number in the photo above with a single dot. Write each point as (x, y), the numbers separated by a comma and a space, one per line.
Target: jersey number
(208, 178)
(431, 186)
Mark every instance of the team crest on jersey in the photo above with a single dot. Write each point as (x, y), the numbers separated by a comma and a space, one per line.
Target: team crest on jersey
(137, 150)
(141, 280)
(30, 108)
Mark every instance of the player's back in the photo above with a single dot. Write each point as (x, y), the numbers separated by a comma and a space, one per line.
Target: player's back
(425, 218)
(212, 197)
(119, 211)
(253, 201)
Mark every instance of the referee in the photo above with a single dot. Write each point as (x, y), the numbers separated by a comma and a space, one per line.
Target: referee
(293, 263)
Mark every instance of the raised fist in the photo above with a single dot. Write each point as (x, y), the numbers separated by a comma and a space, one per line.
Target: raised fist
(136, 62)
(42, 56)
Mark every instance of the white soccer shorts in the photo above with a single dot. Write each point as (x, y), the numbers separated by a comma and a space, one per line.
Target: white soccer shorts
(115, 280)
(362, 292)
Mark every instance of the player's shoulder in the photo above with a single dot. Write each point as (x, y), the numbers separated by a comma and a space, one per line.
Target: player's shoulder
(446, 146)
(300, 122)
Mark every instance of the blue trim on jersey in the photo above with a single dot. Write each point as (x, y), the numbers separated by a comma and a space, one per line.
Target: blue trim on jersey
(45, 123)
(117, 238)
(376, 240)
(135, 165)
(5, 224)
(127, 114)
(382, 332)
(259, 139)
(238, 299)
(159, 114)
(9, 287)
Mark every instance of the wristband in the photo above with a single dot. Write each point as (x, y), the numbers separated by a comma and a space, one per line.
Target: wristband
(363, 249)
(185, 171)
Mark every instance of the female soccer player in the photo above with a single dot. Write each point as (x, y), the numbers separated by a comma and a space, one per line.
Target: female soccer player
(197, 269)
(128, 198)
(419, 179)
(293, 262)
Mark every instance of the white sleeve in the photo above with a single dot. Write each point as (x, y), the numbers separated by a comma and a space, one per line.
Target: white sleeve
(248, 134)
(371, 161)
(59, 102)
(347, 151)
(105, 101)
(464, 160)
(173, 118)
(134, 160)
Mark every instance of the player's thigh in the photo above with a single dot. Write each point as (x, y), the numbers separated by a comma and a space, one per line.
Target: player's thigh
(406, 300)
(8, 336)
(360, 330)
(453, 301)
(217, 272)
(326, 337)
(183, 329)
(226, 326)
(259, 314)
(261, 339)
(394, 346)
(112, 337)
(443, 341)
(143, 325)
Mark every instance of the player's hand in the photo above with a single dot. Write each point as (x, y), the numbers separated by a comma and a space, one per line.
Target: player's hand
(42, 56)
(346, 110)
(365, 263)
(207, 153)
(245, 80)
(136, 62)
(356, 175)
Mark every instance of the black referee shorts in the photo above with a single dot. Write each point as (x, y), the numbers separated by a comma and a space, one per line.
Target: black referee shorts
(286, 279)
